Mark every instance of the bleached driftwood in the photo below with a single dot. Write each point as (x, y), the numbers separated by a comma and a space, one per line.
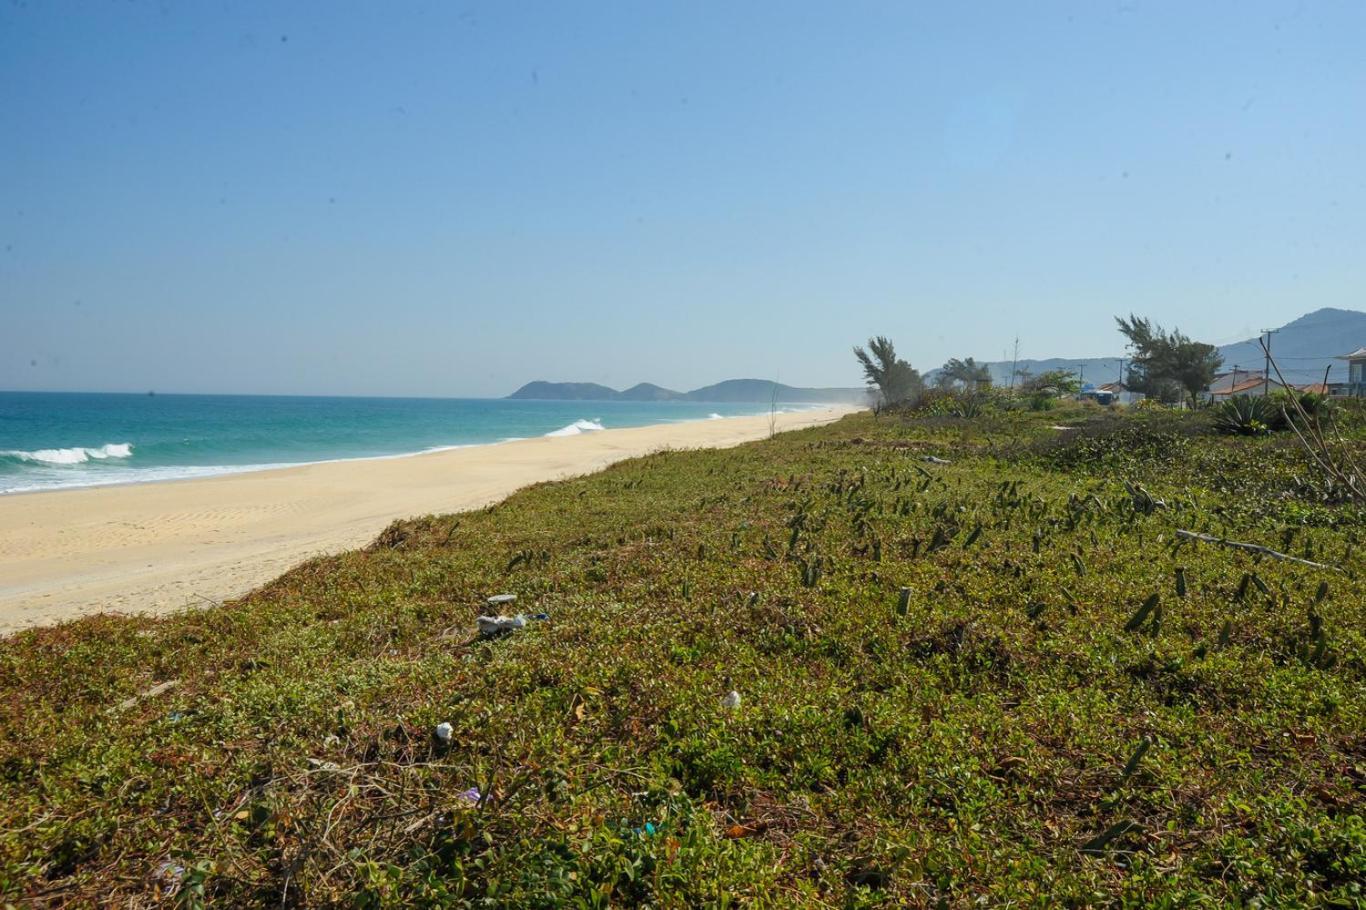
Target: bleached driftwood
(1251, 548)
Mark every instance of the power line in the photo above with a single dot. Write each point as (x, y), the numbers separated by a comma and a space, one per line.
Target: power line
(1323, 357)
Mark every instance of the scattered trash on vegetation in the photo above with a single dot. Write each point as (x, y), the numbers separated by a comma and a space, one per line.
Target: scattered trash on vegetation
(500, 625)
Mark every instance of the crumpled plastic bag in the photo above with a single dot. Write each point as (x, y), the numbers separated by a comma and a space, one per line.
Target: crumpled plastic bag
(499, 625)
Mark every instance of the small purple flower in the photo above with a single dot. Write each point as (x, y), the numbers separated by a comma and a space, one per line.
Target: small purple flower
(472, 796)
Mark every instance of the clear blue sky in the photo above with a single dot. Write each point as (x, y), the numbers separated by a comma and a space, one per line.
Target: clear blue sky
(446, 199)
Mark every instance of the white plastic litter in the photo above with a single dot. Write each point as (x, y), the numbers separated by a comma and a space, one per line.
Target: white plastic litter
(497, 625)
(499, 600)
(444, 732)
(731, 701)
(171, 871)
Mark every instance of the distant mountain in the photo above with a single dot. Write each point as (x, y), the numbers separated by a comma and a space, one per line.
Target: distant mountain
(565, 391)
(1302, 348)
(648, 391)
(765, 390)
(1305, 347)
(1098, 370)
(730, 391)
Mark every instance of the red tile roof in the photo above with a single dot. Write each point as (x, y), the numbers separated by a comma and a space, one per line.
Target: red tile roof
(1247, 385)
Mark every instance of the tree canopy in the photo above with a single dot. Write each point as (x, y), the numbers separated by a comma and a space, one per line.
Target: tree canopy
(1052, 382)
(1167, 364)
(971, 374)
(895, 379)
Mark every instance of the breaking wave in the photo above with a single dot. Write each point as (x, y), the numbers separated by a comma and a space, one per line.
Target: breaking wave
(76, 455)
(577, 427)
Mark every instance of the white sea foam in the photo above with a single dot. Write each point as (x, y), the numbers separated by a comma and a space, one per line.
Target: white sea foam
(75, 455)
(52, 478)
(715, 417)
(579, 426)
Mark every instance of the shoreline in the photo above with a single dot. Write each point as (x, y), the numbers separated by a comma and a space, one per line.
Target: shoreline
(163, 545)
(227, 470)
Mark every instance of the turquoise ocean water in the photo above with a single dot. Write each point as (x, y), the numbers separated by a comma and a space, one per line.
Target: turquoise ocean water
(51, 440)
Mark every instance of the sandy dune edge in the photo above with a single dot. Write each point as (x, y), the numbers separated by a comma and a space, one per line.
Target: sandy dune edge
(164, 546)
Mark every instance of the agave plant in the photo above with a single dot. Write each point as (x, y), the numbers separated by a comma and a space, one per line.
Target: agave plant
(1243, 415)
(968, 405)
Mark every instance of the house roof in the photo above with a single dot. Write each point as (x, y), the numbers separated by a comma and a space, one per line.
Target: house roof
(1319, 387)
(1222, 381)
(1358, 353)
(1247, 385)
(1115, 387)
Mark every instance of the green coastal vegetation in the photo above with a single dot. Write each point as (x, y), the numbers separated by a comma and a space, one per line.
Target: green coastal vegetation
(1166, 366)
(987, 653)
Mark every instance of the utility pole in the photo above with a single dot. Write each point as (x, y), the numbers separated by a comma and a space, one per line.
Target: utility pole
(1014, 362)
(1266, 373)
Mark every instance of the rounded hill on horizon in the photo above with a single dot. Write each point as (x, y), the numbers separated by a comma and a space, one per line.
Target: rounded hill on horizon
(759, 391)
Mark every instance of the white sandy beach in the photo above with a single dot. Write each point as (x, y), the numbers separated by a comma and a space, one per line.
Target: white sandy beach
(164, 546)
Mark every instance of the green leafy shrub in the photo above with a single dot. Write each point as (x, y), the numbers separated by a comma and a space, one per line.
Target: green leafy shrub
(1130, 444)
(1314, 404)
